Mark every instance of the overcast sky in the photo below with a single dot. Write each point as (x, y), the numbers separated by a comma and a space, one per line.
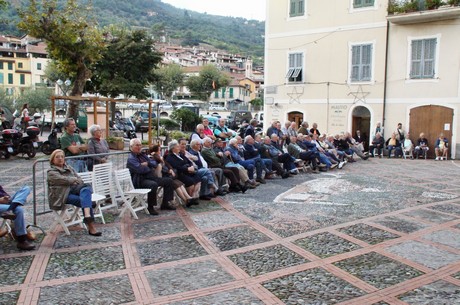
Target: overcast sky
(249, 9)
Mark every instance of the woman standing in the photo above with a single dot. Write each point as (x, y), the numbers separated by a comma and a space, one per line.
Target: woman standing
(25, 116)
(97, 145)
(66, 187)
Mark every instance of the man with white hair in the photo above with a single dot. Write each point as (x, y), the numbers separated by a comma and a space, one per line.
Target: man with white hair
(262, 164)
(236, 157)
(142, 175)
(198, 134)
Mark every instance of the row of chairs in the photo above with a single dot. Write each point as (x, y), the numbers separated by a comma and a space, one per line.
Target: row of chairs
(111, 190)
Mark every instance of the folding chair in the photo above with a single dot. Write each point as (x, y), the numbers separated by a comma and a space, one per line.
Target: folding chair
(104, 185)
(301, 165)
(69, 216)
(133, 199)
(5, 224)
(88, 177)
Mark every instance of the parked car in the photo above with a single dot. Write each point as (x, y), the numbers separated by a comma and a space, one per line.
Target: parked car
(237, 117)
(166, 106)
(8, 116)
(140, 119)
(217, 108)
(187, 104)
(140, 106)
(259, 116)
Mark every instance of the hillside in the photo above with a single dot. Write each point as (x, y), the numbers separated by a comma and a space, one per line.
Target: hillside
(235, 35)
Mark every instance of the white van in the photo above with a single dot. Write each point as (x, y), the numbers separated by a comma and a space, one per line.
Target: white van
(259, 116)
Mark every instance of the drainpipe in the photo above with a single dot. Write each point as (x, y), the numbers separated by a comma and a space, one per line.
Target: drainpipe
(385, 76)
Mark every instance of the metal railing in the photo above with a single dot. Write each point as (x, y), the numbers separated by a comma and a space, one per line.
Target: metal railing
(39, 178)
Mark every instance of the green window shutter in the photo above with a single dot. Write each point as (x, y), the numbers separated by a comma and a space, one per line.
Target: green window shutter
(429, 50)
(1, 79)
(1, 65)
(296, 8)
(39, 66)
(423, 56)
(361, 63)
(22, 79)
(10, 78)
(216, 94)
(20, 65)
(223, 92)
(231, 92)
(10, 66)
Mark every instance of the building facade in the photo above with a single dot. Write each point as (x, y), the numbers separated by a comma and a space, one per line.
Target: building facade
(349, 64)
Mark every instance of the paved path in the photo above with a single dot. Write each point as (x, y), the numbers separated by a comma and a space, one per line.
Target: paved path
(377, 232)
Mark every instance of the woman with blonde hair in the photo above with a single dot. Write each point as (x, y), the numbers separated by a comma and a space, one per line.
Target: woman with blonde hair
(66, 187)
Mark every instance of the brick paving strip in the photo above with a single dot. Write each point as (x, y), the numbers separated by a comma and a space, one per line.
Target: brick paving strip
(205, 232)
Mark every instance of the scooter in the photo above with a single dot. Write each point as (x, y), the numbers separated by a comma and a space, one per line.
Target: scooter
(127, 126)
(23, 144)
(52, 144)
(6, 148)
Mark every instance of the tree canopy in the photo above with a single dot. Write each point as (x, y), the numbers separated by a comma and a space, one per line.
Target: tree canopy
(168, 78)
(209, 80)
(127, 65)
(72, 37)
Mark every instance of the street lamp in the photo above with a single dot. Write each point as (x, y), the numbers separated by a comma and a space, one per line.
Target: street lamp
(64, 86)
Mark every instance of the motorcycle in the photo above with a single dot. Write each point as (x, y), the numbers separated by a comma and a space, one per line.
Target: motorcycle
(27, 145)
(127, 126)
(6, 148)
(52, 143)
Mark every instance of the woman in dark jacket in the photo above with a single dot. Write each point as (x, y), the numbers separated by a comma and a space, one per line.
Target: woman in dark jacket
(186, 172)
(66, 187)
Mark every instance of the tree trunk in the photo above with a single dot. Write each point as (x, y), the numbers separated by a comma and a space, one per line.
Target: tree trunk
(77, 90)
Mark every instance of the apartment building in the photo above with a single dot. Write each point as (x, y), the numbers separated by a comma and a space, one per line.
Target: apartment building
(22, 64)
(348, 64)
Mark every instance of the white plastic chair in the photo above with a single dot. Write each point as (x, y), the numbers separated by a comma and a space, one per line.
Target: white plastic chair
(6, 225)
(104, 185)
(70, 215)
(133, 199)
(88, 177)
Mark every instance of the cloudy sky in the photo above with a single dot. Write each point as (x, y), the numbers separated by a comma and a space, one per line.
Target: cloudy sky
(249, 9)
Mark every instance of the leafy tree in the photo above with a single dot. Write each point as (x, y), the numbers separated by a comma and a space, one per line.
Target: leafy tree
(188, 118)
(72, 38)
(5, 99)
(210, 79)
(3, 4)
(127, 65)
(257, 103)
(37, 100)
(168, 78)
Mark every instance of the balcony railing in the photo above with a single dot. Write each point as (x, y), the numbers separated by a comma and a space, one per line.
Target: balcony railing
(420, 11)
(410, 6)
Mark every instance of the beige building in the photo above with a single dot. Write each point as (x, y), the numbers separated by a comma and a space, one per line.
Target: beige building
(348, 64)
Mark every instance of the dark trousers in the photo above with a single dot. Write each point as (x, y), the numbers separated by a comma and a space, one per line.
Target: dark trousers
(232, 174)
(153, 184)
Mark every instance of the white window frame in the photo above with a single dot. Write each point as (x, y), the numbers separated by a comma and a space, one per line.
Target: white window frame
(436, 60)
(290, 71)
(362, 9)
(304, 16)
(350, 62)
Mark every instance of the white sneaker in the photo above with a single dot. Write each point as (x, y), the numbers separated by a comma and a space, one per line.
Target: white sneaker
(437, 159)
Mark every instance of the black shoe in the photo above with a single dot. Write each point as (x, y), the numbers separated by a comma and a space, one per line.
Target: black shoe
(24, 244)
(261, 180)
(8, 215)
(152, 211)
(220, 192)
(167, 207)
(244, 188)
(206, 197)
(285, 175)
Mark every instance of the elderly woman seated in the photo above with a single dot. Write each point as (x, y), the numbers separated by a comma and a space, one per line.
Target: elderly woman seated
(66, 187)
(186, 172)
(97, 145)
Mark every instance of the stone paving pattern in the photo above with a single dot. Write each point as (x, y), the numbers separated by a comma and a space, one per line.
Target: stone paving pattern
(351, 236)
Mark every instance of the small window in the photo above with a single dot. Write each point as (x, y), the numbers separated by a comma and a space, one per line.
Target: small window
(295, 69)
(223, 92)
(362, 3)
(22, 79)
(10, 78)
(423, 55)
(1, 65)
(20, 65)
(216, 94)
(361, 63)
(39, 66)
(1, 79)
(10, 66)
(231, 93)
(296, 8)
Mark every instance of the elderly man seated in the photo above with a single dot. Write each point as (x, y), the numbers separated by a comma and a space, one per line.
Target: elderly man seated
(408, 146)
(377, 144)
(271, 149)
(216, 162)
(142, 169)
(299, 153)
(306, 143)
(421, 148)
(252, 153)
(236, 157)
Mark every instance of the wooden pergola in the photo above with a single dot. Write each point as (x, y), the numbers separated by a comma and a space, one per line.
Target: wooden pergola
(95, 100)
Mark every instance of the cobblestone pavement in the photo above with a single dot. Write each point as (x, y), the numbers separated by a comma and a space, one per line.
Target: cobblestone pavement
(376, 232)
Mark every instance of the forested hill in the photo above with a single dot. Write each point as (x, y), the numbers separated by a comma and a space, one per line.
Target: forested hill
(235, 35)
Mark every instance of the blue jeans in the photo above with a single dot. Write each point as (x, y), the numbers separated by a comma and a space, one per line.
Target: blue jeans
(19, 197)
(249, 166)
(207, 181)
(83, 200)
(77, 164)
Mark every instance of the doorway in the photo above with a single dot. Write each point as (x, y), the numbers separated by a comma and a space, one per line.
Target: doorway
(361, 120)
(431, 120)
(295, 116)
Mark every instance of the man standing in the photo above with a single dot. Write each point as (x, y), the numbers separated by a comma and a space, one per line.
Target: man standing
(222, 132)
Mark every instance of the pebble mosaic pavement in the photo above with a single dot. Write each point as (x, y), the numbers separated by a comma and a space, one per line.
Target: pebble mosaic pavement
(376, 232)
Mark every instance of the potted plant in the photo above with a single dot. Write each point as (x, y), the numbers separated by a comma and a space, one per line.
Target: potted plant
(116, 143)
